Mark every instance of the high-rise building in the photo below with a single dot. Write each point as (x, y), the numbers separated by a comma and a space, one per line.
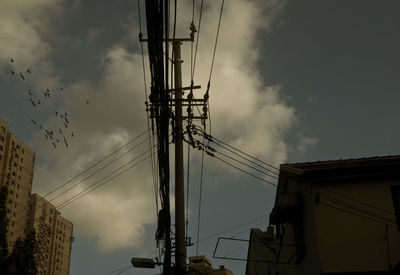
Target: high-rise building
(16, 172)
(27, 211)
(54, 237)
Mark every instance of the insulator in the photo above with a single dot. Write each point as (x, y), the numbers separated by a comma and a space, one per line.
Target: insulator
(210, 154)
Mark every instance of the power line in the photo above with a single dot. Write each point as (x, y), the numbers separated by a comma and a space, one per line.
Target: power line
(90, 167)
(216, 40)
(88, 190)
(200, 193)
(99, 170)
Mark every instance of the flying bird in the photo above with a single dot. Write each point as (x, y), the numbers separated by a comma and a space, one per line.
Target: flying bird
(33, 103)
(22, 76)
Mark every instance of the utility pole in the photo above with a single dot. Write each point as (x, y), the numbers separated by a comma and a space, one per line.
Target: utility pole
(180, 238)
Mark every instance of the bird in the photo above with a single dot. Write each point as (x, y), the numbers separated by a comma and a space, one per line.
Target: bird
(62, 116)
(56, 113)
(29, 92)
(65, 114)
(66, 144)
(57, 140)
(59, 129)
(28, 71)
(72, 134)
(87, 101)
(61, 88)
(66, 120)
(54, 145)
(33, 103)
(22, 76)
(34, 122)
(46, 136)
(41, 126)
(12, 72)
(38, 102)
(65, 140)
(12, 60)
(65, 124)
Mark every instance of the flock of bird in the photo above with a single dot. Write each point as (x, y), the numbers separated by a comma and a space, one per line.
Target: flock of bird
(53, 136)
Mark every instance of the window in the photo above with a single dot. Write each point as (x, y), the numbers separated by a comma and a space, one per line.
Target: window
(395, 189)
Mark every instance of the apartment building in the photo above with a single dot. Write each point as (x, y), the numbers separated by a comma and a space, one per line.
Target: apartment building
(16, 172)
(332, 217)
(54, 237)
(28, 211)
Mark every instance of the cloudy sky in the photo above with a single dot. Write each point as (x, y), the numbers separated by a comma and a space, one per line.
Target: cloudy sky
(293, 81)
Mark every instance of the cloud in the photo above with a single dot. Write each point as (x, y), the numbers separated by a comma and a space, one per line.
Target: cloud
(24, 25)
(244, 112)
(114, 115)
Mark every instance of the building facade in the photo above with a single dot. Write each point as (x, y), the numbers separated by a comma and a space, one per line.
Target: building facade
(332, 217)
(16, 172)
(54, 237)
(27, 211)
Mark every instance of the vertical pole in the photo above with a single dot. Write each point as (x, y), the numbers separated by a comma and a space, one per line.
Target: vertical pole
(180, 241)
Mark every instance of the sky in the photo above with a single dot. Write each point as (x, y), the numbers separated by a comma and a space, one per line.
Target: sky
(293, 81)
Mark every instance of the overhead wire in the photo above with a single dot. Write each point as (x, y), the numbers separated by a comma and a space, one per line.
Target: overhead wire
(98, 183)
(65, 191)
(95, 164)
(200, 198)
(87, 169)
(100, 169)
(151, 134)
(368, 214)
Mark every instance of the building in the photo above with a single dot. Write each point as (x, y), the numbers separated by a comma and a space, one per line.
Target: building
(201, 265)
(16, 172)
(54, 237)
(27, 211)
(332, 217)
